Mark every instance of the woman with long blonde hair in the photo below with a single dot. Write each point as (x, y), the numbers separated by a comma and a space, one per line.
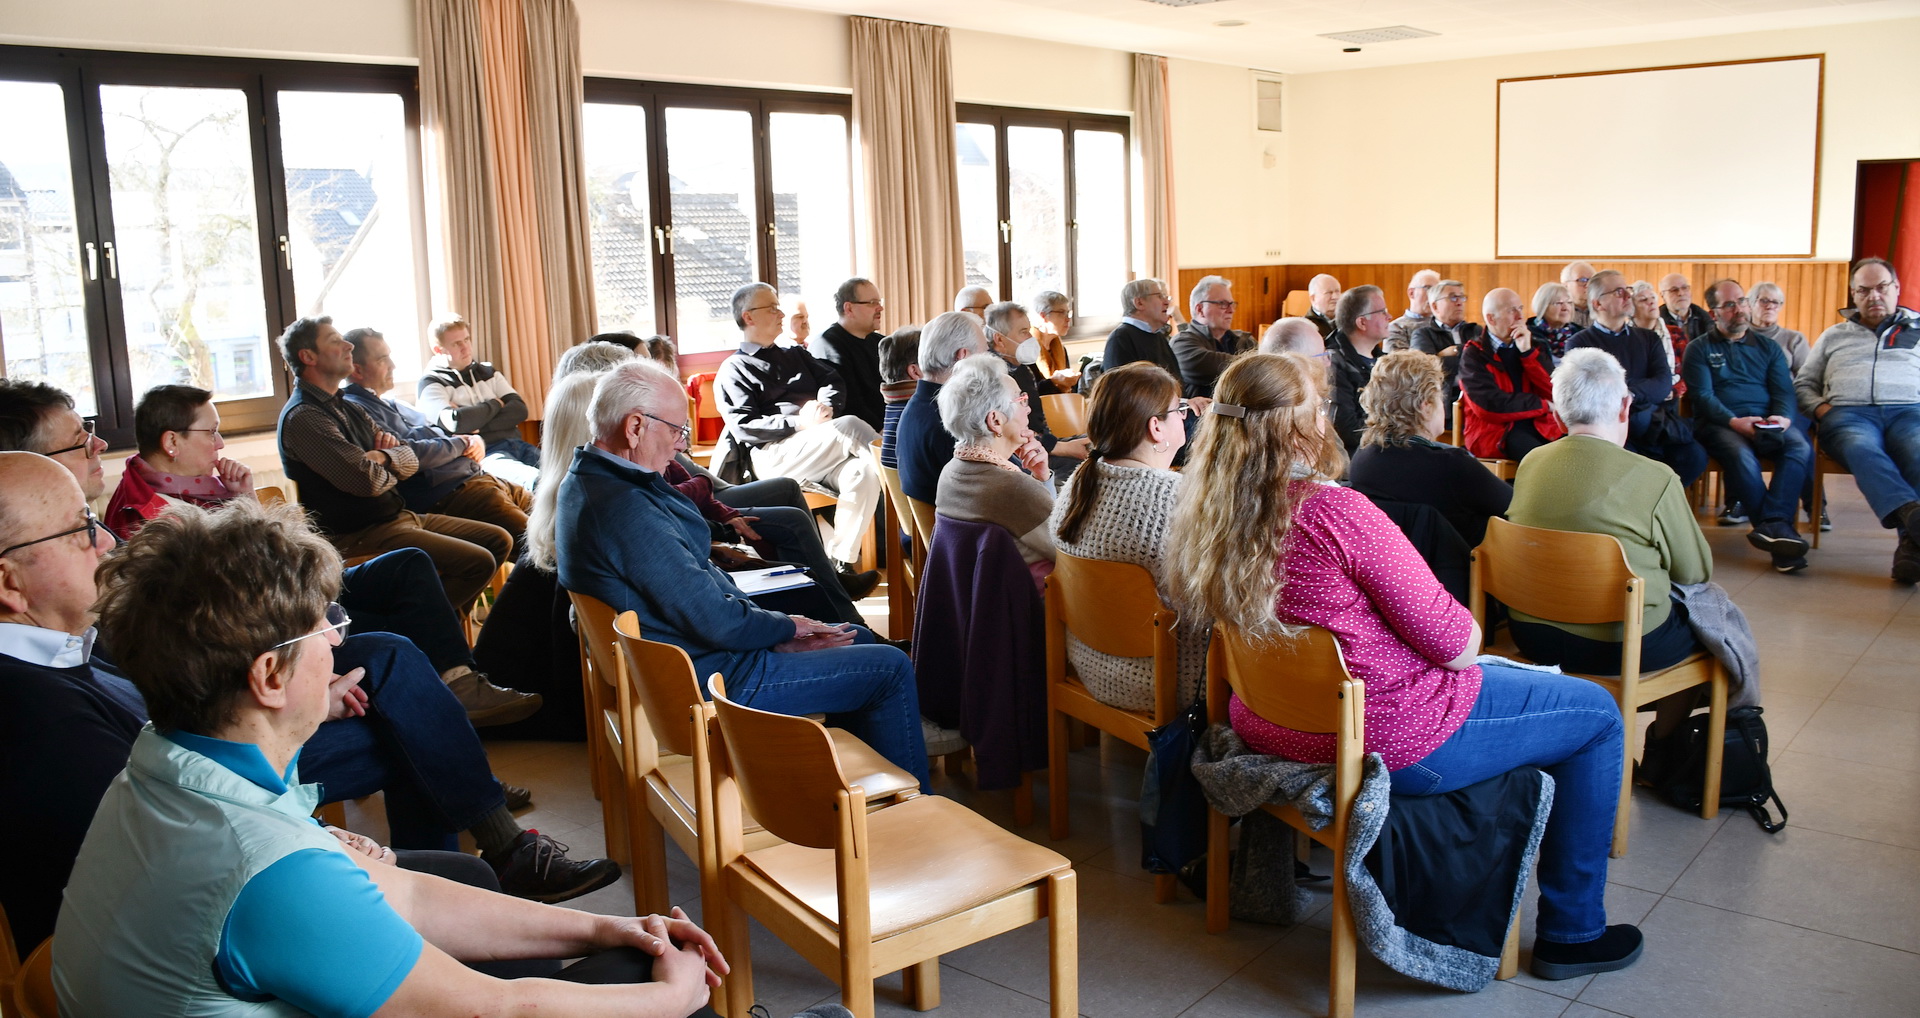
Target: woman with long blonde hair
(1263, 541)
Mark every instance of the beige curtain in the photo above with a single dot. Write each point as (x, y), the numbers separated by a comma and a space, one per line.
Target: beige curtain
(903, 124)
(1153, 155)
(501, 99)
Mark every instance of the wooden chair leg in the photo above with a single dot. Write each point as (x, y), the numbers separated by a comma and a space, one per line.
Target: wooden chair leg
(1342, 966)
(1165, 888)
(922, 983)
(1063, 945)
(1217, 903)
(613, 815)
(1630, 744)
(1717, 737)
(1023, 801)
(856, 978)
(955, 763)
(650, 893)
(1510, 954)
(1058, 731)
(736, 945)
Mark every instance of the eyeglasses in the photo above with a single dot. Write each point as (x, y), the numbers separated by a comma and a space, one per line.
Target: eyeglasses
(1183, 409)
(1582, 280)
(1021, 398)
(1326, 407)
(1729, 305)
(877, 302)
(765, 307)
(92, 528)
(215, 432)
(1379, 311)
(1228, 304)
(1878, 290)
(337, 622)
(1768, 302)
(86, 443)
(1453, 298)
(685, 430)
(1628, 290)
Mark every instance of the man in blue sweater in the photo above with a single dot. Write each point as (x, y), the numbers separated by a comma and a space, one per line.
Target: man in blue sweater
(1743, 401)
(626, 536)
(922, 446)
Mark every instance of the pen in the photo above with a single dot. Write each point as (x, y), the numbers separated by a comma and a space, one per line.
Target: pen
(787, 572)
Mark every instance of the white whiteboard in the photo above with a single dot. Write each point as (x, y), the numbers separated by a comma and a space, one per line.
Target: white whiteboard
(1737, 181)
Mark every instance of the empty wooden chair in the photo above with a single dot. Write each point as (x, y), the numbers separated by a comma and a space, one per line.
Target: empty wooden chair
(665, 765)
(1584, 578)
(1303, 684)
(860, 895)
(1113, 608)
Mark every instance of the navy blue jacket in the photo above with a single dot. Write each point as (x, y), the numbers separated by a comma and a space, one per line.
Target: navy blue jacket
(444, 465)
(1640, 352)
(922, 444)
(1728, 379)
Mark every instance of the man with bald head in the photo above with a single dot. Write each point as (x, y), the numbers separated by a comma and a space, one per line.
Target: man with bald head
(1576, 277)
(1419, 311)
(1323, 297)
(1685, 320)
(1294, 335)
(973, 300)
(1506, 384)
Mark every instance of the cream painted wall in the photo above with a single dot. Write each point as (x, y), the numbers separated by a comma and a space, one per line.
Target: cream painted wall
(1416, 180)
(359, 30)
(1229, 180)
(1010, 70)
(721, 43)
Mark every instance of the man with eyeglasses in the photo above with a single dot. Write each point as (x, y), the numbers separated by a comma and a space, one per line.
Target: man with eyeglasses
(1577, 277)
(1655, 428)
(1447, 331)
(1419, 311)
(37, 417)
(1323, 299)
(1362, 322)
(1208, 342)
(1685, 320)
(852, 346)
(1861, 384)
(1008, 327)
(68, 719)
(1743, 404)
(1506, 384)
(788, 409)
(973, 300)
(1143, 329)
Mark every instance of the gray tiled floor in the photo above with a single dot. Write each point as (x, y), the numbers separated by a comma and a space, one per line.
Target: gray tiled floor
(1823, 918)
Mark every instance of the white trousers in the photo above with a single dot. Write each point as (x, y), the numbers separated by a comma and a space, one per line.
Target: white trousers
(837, 452)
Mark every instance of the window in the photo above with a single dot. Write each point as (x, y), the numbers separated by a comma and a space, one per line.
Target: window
(1044, 206)
(693, 192)
(163, 218)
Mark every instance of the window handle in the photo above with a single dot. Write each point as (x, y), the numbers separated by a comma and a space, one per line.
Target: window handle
(93, 262)
(286, 253)
(113, 263)
(660, 239)
(771, 232)
(1006, 232)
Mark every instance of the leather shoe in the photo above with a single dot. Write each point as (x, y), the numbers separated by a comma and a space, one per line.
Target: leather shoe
(488, 704)
(517, 798)
(858, 585)
(1616, 949)
(535, 866)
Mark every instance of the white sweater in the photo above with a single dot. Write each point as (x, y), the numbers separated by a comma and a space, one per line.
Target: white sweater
(1129, 524)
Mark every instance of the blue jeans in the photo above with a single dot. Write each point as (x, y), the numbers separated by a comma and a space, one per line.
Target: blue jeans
(1571, 729)
(1881, 445)
(867, 689)
(415, 743)
(1776, 502)
(400, 592)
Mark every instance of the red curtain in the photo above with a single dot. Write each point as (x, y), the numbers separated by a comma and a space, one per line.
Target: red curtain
(1887, 218)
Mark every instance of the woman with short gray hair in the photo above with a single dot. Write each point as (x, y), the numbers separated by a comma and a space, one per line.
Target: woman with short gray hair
(986, 413)
(1052, 313)
(1552, 322)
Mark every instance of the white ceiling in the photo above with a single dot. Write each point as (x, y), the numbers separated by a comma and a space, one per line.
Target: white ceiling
(1283, 35)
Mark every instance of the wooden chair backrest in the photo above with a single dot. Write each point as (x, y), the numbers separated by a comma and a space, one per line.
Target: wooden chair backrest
(897, 498)
(663, 680)
(270, 495)
(707, 406)
(596, 631)
(1066, 413)
(786, 769)
(33, 995)
(1298, 303)
(1560, 575)
(1114, 608)
(1291, 682)
(923, 514)
(1459, 423)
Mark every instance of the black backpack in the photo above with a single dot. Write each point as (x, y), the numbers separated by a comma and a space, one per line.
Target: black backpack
(1676, 766)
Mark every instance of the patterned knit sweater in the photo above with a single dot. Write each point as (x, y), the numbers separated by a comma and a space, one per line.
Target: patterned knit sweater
(1129, 524)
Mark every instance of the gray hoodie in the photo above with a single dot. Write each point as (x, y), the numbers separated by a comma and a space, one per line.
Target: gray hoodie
(1851, 365)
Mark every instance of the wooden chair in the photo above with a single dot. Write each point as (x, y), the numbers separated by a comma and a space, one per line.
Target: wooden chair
(1823, 465)
(530, 433)
(270, 495)
(1297, 304)
(903, 571)
(1113, 608)
(32, 992)
(923, 516)
(665, 766)
(1066, 413)
(863, 894)
(1585, 579)
(601, 678)
(704, 414)
(1303, 683)
(9, 967)
(1502, 468)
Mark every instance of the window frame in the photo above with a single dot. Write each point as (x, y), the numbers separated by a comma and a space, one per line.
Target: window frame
(81, 73)
(1002, 117)
(759, 103)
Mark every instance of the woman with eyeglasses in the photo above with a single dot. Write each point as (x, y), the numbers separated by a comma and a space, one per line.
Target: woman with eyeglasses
(1401, 459)
(986, 413)
(1552, 322)
(177, 428)
(1264, 541)
(1117, 507)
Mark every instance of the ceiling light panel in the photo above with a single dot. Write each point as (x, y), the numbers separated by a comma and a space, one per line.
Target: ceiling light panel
(1372, 36)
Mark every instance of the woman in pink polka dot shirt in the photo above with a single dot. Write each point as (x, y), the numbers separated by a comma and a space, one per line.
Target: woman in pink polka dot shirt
(1263, 540)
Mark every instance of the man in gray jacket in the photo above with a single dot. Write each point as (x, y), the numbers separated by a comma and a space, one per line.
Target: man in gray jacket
(1861, 382)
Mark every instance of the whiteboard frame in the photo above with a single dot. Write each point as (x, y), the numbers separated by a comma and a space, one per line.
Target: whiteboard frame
(1819, 144)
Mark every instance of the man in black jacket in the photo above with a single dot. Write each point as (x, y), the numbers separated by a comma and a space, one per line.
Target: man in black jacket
(1687, 320)
(1447, 331)
(1209, 342)
(852, 346)
(1363, 323)
(1142, 332)
(1655, 428)
(1323, 300)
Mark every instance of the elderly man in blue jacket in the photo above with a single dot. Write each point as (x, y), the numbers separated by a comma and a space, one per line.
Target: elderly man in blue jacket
(632, 540)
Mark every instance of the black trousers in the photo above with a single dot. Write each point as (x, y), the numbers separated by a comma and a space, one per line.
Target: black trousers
(1664, 646)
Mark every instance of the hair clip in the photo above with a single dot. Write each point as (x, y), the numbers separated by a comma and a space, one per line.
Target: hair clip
(1227, 409)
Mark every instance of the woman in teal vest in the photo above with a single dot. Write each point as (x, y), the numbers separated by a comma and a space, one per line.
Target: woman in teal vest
(204, 886)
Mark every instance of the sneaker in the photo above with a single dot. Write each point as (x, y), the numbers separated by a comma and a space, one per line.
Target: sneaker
(1616, 949)
(941, 741)
(488, 704)
(858, 585)
(1788, 562)
(1826, 521)
(1777, 538)
(1733, 515)
(537, 867)
(517, 798)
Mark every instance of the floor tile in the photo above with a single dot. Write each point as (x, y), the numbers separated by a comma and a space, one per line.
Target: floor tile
(1862, 733)
(1662, 841)
(960, 994)
(1848, 798)
(1877, 682)
(1864, 890)
(1707, 961)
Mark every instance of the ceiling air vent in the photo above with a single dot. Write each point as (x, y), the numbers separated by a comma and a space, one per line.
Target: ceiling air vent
(1182, 3)
(1366, 36)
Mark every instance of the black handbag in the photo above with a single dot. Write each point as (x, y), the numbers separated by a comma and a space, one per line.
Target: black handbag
(1676, 767)
(1173, 807)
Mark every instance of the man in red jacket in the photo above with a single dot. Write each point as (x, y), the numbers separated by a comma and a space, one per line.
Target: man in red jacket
(1506, 384)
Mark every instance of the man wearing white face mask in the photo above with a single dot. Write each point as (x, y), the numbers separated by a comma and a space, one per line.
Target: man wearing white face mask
(1006, 321)
(1209, 342)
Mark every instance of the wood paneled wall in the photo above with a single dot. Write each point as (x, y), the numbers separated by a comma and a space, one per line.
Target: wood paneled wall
(1815, 290)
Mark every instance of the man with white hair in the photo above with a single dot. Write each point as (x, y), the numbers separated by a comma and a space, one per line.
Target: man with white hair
(786, 407)
(626, 536)
(1419, 311)
(1506, 389)
(921, 443)
(1294, 335)
(1209, 342)
(1323, 297)
(973, 300)
(1008, 328)
(1656, 428)
(1447, 331)
(1142, 332)
(1576, 277)
(1862, 383)
(1685, 320)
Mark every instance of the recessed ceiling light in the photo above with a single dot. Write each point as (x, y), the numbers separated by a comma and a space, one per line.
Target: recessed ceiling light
(1228, 24)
